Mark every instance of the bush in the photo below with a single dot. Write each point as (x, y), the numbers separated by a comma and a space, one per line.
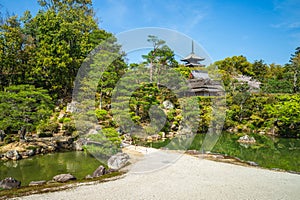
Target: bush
(69, 128)
(49, 127)
(101, 114)
(66, 120)
(8, 139)
(24, 106)
(61, 120)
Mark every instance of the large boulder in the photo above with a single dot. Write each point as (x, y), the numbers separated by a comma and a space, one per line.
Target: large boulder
(13, 155)
(100, 171)
(118, 161)
(64, 178)
(9, 183)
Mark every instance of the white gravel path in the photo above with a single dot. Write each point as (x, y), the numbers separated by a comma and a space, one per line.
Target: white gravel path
(189, 178)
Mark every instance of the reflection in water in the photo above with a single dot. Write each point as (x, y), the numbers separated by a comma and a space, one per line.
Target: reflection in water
(44, 167)
(268, 152)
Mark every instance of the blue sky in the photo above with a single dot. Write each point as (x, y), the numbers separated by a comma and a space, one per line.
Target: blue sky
(257, 29)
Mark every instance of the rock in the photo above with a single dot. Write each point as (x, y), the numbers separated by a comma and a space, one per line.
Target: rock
(57, 109)
(118, 161)
(35, 183)
(149, 138)
(78, 144)
(218, 156)
(31, 152)
(51, 182)
(174, 127)
(252, 163)
(2, 135)
(246, 139)
(170, 135)
(9, 183)
(71, 107)
(13, 155)
(51, 148)
(156, 137)
(168, 104)
(193, 152)
(64, 178)
(65, 143)
(99, 171)
(128, 138)
(88, 176)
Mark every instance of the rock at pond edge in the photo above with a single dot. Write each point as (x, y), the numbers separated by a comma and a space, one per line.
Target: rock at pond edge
(64, 178)
(118, 161)
(9, 183)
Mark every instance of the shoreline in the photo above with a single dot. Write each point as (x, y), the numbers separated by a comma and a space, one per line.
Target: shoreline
(189, 177)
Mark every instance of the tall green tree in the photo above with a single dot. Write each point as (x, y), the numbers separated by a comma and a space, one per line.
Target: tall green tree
(294, 68)
(65, 32)
(15, 50)
(259, 69)
(161, 55)
(235, 65)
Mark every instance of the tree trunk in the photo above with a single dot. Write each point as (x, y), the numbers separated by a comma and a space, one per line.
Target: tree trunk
(151, 72)
(295, 82)
(22, 133)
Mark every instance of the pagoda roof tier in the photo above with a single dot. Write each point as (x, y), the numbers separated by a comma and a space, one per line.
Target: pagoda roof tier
(192, 58)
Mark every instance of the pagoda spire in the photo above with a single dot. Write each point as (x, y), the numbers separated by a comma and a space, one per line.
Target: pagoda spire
(192, 46)
(193, 60)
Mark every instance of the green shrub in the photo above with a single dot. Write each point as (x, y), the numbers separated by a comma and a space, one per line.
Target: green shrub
(69, 128)
(66, 120)
(8, 139)
(51, 127)
(101, 114)
(61, 120)
(171, 114)
(136, 118)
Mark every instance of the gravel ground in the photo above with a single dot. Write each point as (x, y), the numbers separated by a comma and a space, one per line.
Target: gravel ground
(186, 177)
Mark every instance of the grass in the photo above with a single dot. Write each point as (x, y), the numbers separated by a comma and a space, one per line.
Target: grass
(53, 187)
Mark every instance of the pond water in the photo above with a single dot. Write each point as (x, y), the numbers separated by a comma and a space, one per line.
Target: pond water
(268, 152)
(44, 167)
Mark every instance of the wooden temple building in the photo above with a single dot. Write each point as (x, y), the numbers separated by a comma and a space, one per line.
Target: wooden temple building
(200, 82)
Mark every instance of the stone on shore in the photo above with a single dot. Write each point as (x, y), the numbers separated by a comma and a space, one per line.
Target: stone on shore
(118, 161)
(13, 155)
(35, 183)
(64, 178)
(100, 171)
(9, 183)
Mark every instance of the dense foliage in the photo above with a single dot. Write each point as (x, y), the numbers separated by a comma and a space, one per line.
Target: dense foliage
(23, 106)
(40, 57)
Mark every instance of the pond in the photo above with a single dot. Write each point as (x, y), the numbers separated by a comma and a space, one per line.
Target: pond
(44, 167)
(267, 152)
